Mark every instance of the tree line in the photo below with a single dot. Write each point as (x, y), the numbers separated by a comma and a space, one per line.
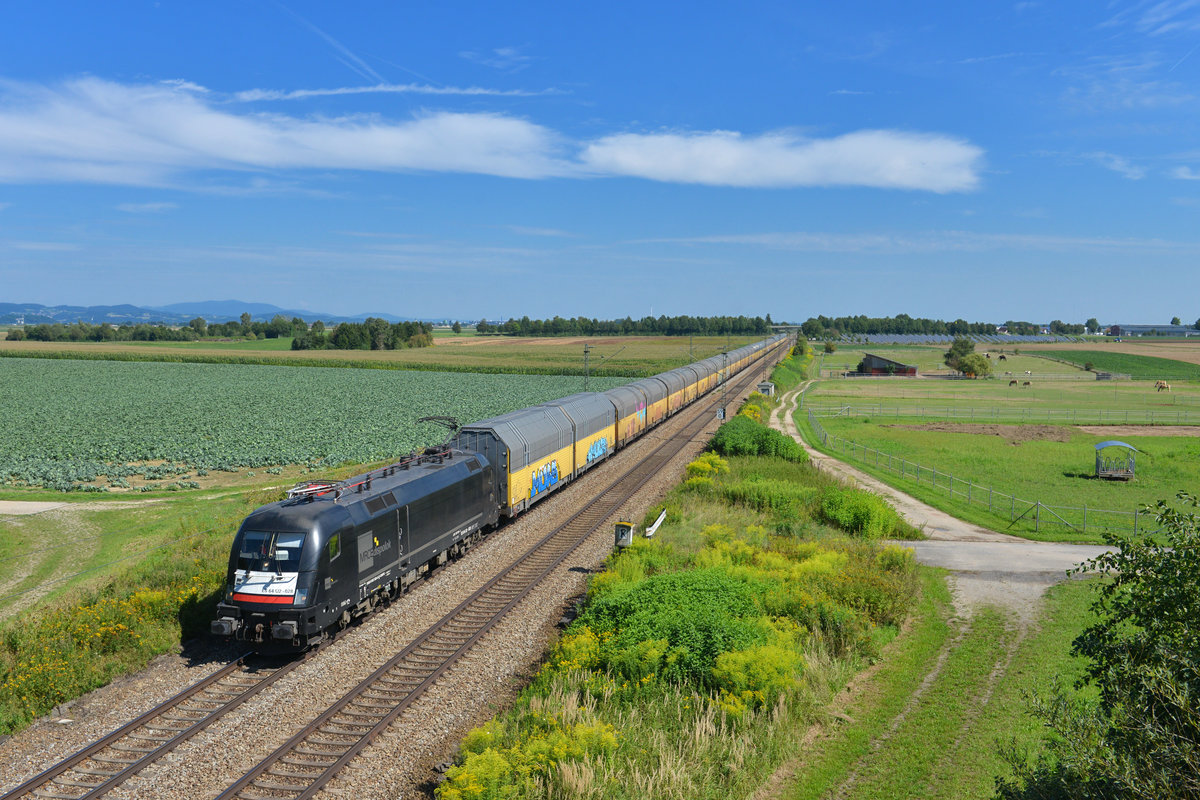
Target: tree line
(372, 334)
(660, 326)
(822, 327)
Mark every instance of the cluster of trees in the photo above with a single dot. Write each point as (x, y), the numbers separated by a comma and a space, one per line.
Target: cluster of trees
(278, 328)
(962, 357)
(661, 326)
(373, 334)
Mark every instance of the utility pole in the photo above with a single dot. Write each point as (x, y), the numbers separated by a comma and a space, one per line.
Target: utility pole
(587, 348)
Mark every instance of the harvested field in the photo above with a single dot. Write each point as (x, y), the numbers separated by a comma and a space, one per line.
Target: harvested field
(1187, 351)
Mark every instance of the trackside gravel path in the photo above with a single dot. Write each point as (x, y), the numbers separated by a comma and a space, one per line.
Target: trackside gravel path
(987, 569)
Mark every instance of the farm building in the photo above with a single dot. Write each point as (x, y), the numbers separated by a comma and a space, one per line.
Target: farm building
(878, 365)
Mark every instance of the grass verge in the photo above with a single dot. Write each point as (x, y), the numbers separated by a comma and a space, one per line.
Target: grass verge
(948, 743)
(702, 656)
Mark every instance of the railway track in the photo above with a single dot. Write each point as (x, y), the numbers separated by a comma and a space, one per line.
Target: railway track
(117, 757)
(306, 763)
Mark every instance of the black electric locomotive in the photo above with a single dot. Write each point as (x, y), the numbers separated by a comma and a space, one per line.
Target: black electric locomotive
(304, 567)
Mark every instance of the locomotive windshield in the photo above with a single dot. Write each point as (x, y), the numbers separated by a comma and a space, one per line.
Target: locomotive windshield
(269, 551)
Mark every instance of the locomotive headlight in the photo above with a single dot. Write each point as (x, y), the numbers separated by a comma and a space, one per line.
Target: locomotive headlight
(301, 597)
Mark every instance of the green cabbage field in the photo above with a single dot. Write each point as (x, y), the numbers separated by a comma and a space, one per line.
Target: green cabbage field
(97, 424)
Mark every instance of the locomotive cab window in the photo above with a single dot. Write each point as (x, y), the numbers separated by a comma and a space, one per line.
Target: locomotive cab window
(268, 551)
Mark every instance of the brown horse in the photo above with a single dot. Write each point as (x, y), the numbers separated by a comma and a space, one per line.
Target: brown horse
(1012, 383)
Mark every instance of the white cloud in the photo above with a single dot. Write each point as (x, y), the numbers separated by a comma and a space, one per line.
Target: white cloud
(96, 131)
(92, 130)
(884, 159)
(146, 208)
(5, 205)
(1185, 174)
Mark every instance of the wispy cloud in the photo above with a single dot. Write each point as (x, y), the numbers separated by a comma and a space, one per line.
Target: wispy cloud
(97, 131)
(1118, 164)
(504, 59)
(1122, 83)
(5, 205)
(1185, 174)
(251, 95)
(1157, 17)
(525, 231)
(146, 208)
(49, 247)
(346, 56)
(849, 92)
(996, 57)
(936, 241)
(885, 159)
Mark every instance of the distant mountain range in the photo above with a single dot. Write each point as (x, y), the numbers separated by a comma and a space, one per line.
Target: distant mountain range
(176, 314)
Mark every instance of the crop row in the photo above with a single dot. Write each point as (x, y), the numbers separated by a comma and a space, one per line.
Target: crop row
(67, 423)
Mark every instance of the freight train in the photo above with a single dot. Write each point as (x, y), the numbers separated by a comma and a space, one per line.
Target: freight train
(303, 568)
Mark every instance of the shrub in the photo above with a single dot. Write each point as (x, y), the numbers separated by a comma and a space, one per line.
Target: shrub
(742, 436)
(757, 675)
(707, 465)
(859, 512)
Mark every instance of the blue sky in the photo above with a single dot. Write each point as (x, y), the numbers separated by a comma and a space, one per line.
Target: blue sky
(992, 161)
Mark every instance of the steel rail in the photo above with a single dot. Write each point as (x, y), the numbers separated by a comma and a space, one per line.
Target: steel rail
(140, 742)
(309, 760)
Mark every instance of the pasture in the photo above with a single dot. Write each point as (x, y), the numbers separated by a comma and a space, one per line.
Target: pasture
(620, 356)
(1035, 443)
(125, 426)
(1051, 464)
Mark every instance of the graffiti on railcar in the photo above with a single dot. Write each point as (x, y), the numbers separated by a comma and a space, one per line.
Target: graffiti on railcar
(544, 477)
(599, 449)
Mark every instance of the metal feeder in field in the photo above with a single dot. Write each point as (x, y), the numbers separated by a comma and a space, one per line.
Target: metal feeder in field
(1116, 464)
